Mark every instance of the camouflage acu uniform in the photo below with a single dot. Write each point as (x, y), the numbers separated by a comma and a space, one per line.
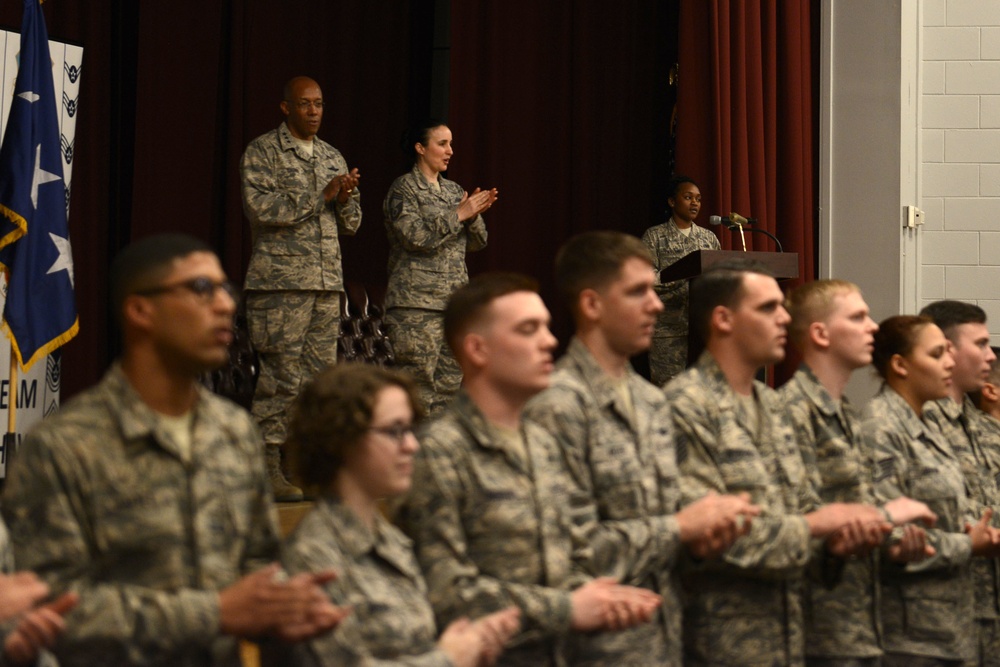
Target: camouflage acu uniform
(841, 620)
(102, 502)
(668, 353)
(295, 279)
(417, 337)
(378, 578)
(989, 429)
(746, 607)
(427, 246)
(962, 426)
(624, 493)
(927, 607)
(6, 551)
(490, 530)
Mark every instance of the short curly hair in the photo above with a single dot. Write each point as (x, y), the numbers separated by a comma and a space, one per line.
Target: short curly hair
(332, 415)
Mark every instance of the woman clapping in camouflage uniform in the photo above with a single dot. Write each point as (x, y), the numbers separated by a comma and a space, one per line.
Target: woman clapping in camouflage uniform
(431, 222)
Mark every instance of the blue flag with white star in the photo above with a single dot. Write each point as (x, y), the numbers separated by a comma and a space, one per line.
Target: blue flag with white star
(40, 312)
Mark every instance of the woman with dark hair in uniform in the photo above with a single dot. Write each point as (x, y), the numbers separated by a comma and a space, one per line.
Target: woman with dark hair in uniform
(431, 223)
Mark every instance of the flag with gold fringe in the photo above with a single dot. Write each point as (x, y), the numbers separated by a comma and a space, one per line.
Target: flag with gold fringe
(40, 312)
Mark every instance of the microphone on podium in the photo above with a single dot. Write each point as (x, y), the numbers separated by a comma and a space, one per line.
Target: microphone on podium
(732, 220)
(737, 221)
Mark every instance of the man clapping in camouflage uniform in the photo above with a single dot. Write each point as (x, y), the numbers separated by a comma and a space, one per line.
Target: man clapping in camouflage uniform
(147, 494)
(831, 326)
(613, 430)
(487, 509)
(731, 435)
(298, 195)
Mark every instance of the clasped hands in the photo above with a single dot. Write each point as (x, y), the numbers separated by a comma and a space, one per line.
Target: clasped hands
(38, 623)
(709, 525)
(856, 529)
(341, 186)
(269, 603)
(985, 538)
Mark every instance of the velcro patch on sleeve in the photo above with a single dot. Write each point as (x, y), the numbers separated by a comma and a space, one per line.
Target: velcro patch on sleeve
(885, 468)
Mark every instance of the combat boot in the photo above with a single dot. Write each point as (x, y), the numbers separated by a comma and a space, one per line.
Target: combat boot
(284, 491)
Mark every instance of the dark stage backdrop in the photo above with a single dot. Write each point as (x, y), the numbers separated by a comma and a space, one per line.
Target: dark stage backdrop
(564, 106)
(173, 91)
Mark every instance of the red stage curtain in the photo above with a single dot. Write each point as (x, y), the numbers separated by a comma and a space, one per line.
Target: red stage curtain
(746, 123)
(746, 119)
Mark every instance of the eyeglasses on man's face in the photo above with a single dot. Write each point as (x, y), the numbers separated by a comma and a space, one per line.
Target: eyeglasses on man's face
(202, 287)
(303, 105)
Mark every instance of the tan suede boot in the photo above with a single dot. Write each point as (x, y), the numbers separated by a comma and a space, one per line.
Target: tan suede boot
(284, 491)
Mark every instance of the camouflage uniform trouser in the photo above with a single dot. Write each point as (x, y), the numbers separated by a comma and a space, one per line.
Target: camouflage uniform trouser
(988, 638)
(417, 337)
(295, 336)
(908, 660)
(667, 358)
(642, 646)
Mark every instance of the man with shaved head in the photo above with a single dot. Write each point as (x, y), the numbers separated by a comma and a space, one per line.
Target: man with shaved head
(299, 195)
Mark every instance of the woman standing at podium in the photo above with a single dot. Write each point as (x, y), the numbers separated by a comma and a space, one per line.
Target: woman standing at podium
(669, 242)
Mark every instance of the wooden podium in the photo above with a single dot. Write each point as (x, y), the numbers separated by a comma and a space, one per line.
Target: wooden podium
(783, 265)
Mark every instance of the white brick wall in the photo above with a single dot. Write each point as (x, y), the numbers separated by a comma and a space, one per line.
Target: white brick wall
(948, 179)
(972, 12)
(951, 111)
(960, 153)
(989, 249)
(990, 40)
(989, 111)
(933, 78)
(951, 248)
(933, 208)
(989, 180)
(951, 43)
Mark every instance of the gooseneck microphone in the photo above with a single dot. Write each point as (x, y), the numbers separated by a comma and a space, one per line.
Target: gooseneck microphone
(736, 221)
(732, 220)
